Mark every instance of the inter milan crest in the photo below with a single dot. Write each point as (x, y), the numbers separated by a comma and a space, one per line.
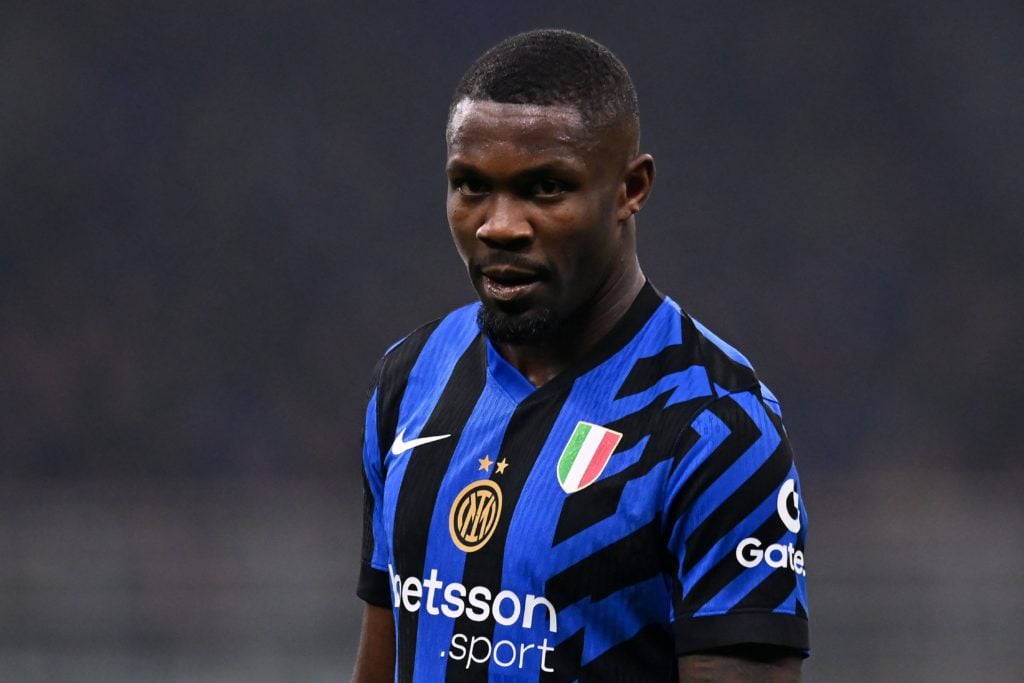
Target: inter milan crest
(585, 456)
(474, 515)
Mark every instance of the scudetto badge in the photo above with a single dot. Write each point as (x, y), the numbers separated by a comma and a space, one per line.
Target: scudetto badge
(475, 514)
(585, 456)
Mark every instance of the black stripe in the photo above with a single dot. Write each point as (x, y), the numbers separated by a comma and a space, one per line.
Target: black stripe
(391, 377)
(373, 583)
(769, 593)
(565, 659)
(760, 486)
(686, 441)
(527, 431)
(422, 480)
(743, 434)
(600, 500)
(648, 656)
(640, 311)
(623, 563)
(646, 372)
(723, 370)
(654, 421)
(525, 436)
(766, 628)
(727, 569)
(389, 381)
(368, 507)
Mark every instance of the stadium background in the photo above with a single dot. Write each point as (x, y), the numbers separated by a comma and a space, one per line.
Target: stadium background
(215, 216)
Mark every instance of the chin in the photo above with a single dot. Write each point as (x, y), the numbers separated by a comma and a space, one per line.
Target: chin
(530, 327)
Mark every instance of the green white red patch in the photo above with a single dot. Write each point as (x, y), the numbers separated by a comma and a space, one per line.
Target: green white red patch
(585, 455)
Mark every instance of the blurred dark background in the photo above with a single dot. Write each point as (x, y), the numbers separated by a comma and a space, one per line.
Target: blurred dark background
(216, 216)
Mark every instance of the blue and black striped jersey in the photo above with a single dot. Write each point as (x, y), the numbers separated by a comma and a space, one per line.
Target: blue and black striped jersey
(641, 505)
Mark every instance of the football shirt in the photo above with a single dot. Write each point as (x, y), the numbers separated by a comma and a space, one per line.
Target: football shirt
(640, 505)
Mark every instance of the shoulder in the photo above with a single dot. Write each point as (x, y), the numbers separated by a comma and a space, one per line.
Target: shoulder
(713, 385)
(454, 329)
(416, 366)
(727, 369)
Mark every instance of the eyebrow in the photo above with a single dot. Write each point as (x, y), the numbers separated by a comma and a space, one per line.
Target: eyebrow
(553, 167)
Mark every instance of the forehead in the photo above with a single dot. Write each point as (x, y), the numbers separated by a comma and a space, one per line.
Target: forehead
(480, 126)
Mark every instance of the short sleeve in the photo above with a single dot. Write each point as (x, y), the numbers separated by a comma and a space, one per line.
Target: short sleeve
(736, 529)
(374, 586)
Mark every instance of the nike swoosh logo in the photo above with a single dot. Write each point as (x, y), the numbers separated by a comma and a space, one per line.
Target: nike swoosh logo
(401, 445)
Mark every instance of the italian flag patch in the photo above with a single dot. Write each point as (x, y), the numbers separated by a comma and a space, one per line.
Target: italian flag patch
(585, 456)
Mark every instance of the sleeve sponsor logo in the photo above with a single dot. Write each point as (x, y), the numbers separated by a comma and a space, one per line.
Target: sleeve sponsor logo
(788, 506)
(751, 551)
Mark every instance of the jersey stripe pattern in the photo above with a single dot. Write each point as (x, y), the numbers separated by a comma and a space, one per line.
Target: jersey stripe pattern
(690, 537)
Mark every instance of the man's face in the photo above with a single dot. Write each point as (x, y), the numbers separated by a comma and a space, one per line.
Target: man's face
(534, 205)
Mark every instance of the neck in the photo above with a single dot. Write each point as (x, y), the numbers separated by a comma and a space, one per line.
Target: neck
(540, 363)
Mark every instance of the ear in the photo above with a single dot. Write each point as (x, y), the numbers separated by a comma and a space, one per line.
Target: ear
(636, 185)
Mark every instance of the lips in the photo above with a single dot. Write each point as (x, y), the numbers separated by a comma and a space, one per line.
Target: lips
(508, 283)
(510, 275)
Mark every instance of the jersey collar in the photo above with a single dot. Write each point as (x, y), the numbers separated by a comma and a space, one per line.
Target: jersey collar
(521, 389)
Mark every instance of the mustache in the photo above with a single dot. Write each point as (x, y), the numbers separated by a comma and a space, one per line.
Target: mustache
(516, 261)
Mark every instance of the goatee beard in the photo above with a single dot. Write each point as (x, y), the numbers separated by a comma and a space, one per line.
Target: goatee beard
(528, 329)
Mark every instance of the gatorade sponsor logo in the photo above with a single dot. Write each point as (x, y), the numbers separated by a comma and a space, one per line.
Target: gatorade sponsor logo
(479, 603)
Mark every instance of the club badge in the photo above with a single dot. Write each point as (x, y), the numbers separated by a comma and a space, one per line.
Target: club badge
(474, 515)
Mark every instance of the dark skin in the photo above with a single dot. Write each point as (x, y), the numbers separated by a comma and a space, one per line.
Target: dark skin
(541, 212)
(375, 660)
(541, 209)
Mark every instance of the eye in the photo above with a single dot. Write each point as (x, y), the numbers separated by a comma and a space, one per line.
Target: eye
(548, 188)
(469, 187)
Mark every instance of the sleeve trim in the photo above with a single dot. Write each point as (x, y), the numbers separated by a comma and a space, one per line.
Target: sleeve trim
(374, 586)
(696, 634)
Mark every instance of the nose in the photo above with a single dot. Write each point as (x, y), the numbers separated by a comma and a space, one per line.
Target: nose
(506, 225)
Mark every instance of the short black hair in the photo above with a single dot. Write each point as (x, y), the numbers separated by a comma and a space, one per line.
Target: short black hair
(554, 67)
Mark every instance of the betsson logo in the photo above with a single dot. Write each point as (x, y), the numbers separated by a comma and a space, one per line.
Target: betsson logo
(749, 552)
(477, 603)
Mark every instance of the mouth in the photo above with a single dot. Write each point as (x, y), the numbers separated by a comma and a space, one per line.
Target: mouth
(506, 283)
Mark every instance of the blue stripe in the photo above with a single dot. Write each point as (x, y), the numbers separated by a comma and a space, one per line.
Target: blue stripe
(433, 369)
(375, 481)
(620, 615)
(626, 458)
(737, 473)
(592, 398)
(751, 578)
(742, 585)
(508, 376)
(726, 546)
(727, 349)
(426, 383)
(634, 511)
(712, 433)
(482, 435)
(788, 606)
(770, 400)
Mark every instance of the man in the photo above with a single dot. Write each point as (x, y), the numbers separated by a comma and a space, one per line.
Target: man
(572, 479)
